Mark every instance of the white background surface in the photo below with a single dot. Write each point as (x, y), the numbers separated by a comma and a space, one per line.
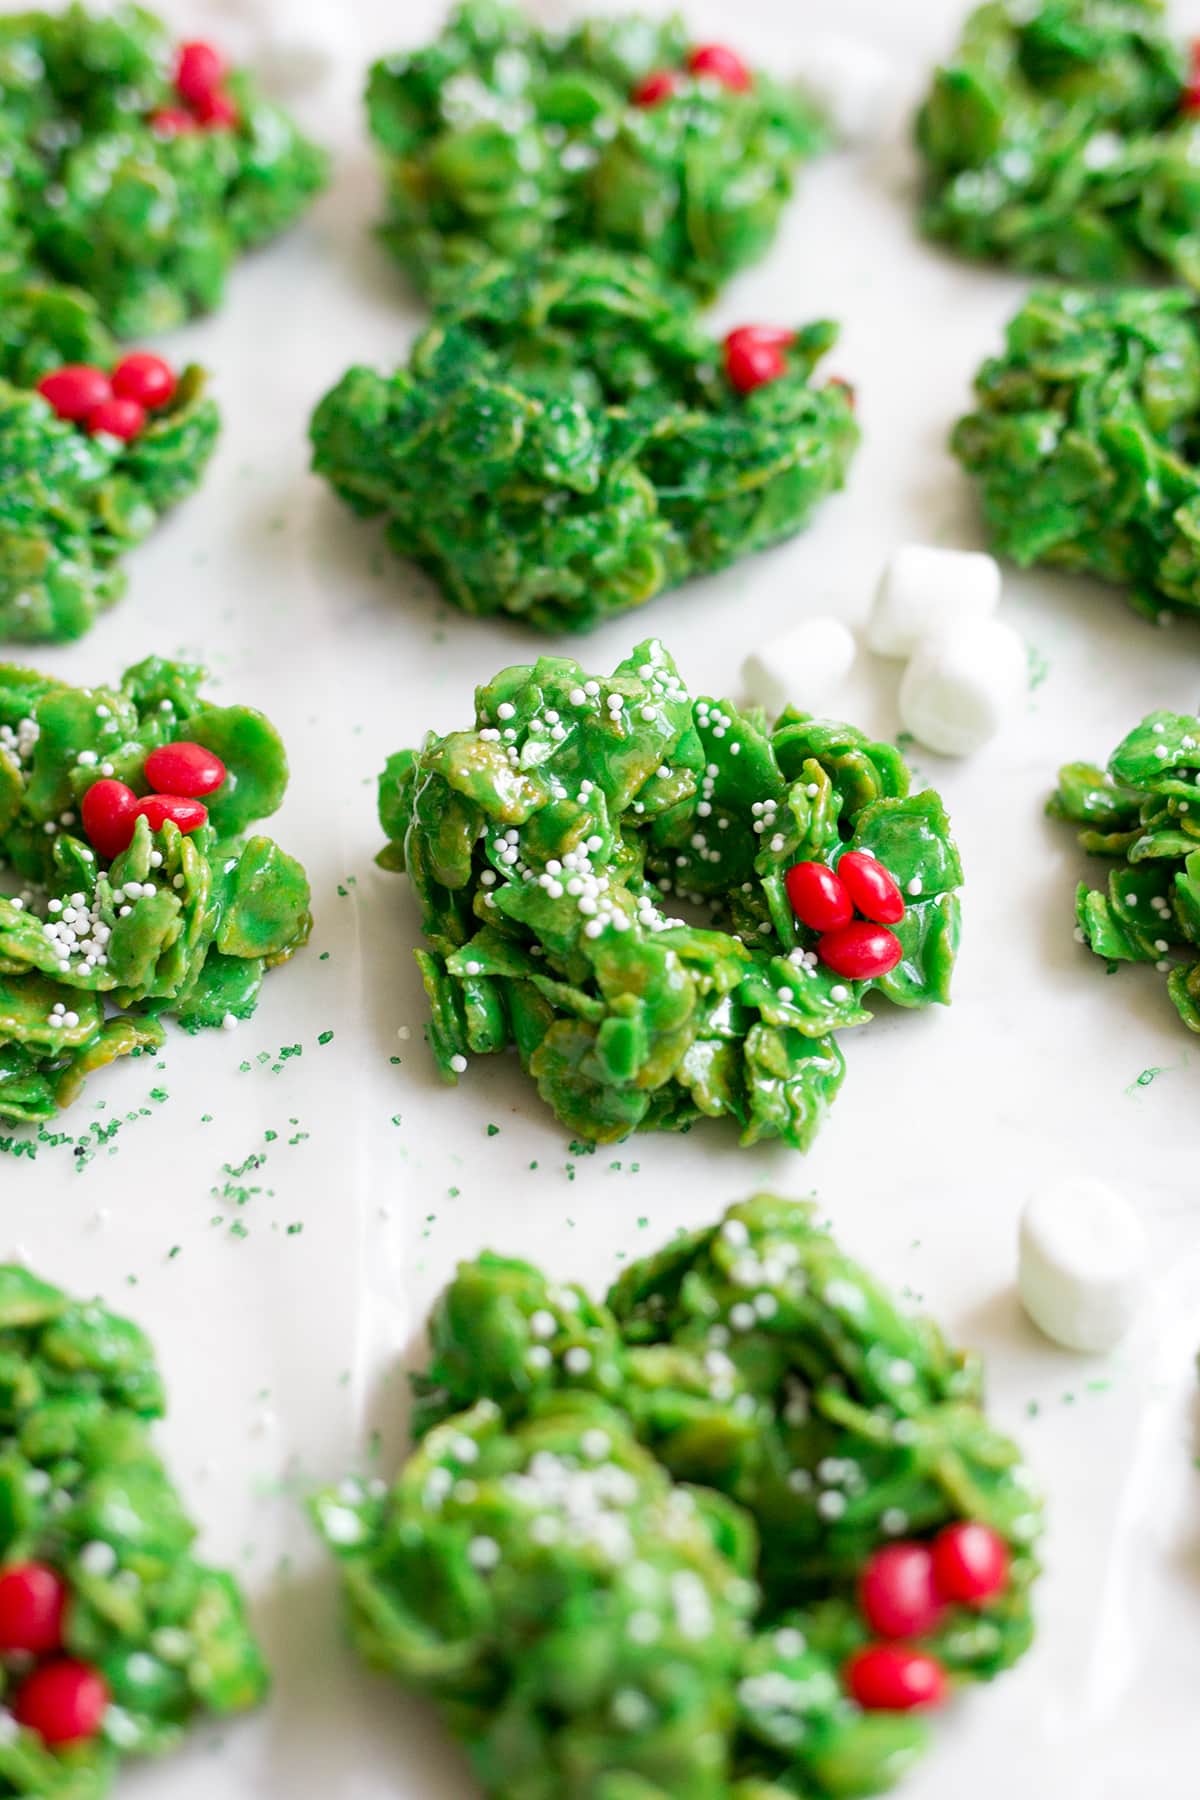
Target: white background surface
(281, 1351)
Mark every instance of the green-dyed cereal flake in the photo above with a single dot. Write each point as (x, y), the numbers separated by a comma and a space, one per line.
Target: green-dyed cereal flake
(82, 1491)
(1084, 442)
(1061, 138)
(93, 952)
(98, 191)
(505, 140)
(1139, 812)
(564, 443)
(72, 503)
(551, 844)
(625, 1555)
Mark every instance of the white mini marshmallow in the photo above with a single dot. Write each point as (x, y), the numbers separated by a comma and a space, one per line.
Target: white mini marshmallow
(853, 84)
(802, 667)
(1082, 1268)
(962, 684)
(923, 588)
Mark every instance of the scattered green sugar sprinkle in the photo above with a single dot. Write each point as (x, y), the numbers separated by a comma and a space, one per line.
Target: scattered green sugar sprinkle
(493, 1130)
(549, 844)
(326, 1037)
(651, 1529)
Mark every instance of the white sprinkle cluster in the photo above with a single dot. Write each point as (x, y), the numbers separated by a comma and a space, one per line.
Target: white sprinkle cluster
(19, 741)
(77, 932)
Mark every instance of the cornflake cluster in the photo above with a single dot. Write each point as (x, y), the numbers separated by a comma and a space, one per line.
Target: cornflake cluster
(114, 1639)
(135, 168)
(121, 902)
(1083, 442)
(1062, 138)
(727, 1535)
(567, 441)
(1143, 813)
(504, 140)
(602, 868)
(88, 468)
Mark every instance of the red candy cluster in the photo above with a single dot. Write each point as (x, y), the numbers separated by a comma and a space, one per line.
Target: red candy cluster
(200, 74)
(826, 901)
(62, 1699)
(179, 774)
(905, 1591)
(116, 404)
(714, 62)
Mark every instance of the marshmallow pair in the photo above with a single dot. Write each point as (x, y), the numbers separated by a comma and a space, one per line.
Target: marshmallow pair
(966, 671)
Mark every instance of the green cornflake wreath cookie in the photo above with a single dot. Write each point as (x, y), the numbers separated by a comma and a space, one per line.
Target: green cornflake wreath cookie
(504, 140)
(723, 1536)
(567, 442)
(1144, 813)
(124, 815)
(138, 171)
(1063, 138)
(75, 495)
(1085, 442)
(550, 845)
(113, 1637)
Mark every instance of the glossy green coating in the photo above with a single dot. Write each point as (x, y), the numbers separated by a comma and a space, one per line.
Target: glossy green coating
(93, 194)
(72, 504)
(82, 1489)
(185, 926)
(549, 845)
(766, 1392)
(1084, 442)
(1143, 812)
(504, 140)
(564, 443)
(1058, 140)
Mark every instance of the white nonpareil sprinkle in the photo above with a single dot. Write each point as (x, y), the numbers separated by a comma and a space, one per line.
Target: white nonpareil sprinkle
(483, 1553)
(458, 1064)
(97, 1558)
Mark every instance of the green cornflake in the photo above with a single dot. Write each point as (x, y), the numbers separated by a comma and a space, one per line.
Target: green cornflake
(1059, 140)
(502, 140)
(627, 1547)
(175, 925)
(565, 444)
(1139, 814)
(93, 192)
(548, 845)
(1083, 442)
(88, 1495)
(72, 503)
